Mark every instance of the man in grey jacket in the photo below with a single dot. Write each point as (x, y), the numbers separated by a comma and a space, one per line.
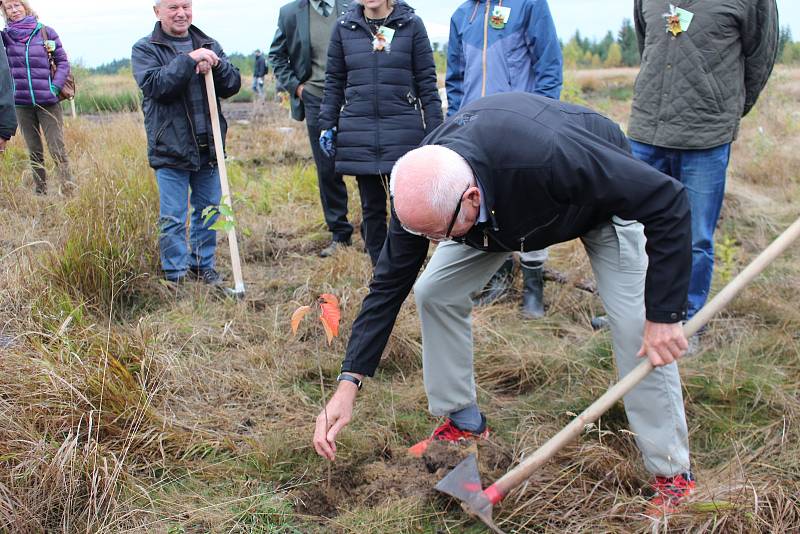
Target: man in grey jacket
(8, 117)
(704, 65)
(299, 56)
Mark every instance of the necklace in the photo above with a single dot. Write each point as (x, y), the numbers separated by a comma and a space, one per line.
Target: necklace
(380, 40)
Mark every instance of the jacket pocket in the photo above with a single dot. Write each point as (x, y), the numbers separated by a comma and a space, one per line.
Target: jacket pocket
(630, 240)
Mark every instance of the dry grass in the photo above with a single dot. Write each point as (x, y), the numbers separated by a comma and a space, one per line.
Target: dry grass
(129, 407)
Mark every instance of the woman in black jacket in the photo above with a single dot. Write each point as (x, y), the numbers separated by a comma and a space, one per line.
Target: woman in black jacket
(380, 101)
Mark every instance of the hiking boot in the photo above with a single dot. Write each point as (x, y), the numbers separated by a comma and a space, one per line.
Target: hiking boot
(670, 492)
(331, 249)
(498, 286)
(448, 431)
(600, 322)
(207, 276)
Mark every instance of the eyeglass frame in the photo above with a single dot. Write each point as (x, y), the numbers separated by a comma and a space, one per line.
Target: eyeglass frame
(450, 226)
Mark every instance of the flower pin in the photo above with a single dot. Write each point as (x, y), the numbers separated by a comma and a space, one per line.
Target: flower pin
(673, 21)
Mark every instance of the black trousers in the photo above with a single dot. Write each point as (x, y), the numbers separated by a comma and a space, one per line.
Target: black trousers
(332, 189)
(373, 190)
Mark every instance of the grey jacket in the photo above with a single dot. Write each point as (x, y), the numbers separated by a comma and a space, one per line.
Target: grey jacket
(694, 88)
(290, 53)
(8, 115)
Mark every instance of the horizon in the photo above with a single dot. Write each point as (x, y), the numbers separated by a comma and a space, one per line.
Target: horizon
(130, 20)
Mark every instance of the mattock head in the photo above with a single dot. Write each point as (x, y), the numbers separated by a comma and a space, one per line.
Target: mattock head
(464, 484)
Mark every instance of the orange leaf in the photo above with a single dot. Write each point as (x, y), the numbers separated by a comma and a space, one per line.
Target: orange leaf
(297, 316)
(330, 316)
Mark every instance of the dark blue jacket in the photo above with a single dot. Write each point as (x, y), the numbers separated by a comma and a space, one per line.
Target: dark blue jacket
(374, 98)
(568, 170)
(8, 116)
(164, 76)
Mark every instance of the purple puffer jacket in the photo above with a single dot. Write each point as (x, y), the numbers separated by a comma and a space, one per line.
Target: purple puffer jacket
(32, 81)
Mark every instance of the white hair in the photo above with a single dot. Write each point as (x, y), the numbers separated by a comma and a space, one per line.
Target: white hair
(446, 175)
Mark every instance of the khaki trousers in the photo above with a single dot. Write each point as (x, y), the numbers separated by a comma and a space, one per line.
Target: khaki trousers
(616, 250)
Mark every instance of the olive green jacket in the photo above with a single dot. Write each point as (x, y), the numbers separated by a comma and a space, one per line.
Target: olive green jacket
(694, 87)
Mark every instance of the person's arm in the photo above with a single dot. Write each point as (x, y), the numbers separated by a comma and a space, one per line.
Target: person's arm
(760, 35)
(279, 58)
(425, 77)
(640, 25)
(227, 79)
(62, 62)
(335, 83)
(8, 115)
(545, 49)
(454, 79)
(164, 83)
(401, 259)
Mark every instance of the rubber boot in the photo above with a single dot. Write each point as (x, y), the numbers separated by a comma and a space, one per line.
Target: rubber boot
(533, 291)
(498, 286)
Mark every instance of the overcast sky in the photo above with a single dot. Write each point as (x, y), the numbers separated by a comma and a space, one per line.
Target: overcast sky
(98, 31)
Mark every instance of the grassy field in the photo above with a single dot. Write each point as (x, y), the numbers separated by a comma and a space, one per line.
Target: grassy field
(128, 407)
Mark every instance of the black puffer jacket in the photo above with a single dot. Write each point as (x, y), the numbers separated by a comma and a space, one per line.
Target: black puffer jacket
(8, 117)
(374, 97)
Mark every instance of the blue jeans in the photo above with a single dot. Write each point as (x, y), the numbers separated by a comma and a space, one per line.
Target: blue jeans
(174, 186)
(702, 172)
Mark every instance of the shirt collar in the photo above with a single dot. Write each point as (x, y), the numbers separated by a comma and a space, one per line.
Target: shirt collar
(317, 5)
(483, 213)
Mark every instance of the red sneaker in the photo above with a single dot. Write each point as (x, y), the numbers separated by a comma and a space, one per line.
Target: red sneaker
(670, 492)
(448, 431)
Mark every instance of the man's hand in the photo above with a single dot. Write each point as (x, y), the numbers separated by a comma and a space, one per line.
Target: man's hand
(339, 413)
(3, 143)
(204, 54)
(663, 343)
(299, 91)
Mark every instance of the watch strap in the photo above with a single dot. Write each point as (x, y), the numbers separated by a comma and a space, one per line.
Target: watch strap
(350, 378)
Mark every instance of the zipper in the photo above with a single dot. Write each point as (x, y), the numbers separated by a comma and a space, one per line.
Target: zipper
(28, 64)
(485, 45)
(526, 236)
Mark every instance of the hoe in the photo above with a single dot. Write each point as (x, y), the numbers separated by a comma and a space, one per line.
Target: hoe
(464, 482)
(236, 263)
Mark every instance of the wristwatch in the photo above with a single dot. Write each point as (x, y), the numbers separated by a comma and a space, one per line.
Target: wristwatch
(349, 378)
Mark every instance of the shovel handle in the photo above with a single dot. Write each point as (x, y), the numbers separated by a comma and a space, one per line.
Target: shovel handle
(236, 263)
(570, 433)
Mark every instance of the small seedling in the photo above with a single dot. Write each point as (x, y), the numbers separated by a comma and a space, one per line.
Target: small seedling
(225, 221)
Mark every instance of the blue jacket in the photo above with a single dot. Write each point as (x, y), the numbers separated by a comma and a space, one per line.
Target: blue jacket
(524, 56)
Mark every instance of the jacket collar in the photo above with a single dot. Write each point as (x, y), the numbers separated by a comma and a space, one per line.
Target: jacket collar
(198, 37)
(401, 13)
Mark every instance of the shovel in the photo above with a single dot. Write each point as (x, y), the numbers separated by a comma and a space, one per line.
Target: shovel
(464, 482)
(236, 263)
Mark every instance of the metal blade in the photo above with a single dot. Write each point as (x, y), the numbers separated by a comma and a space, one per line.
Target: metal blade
(464, 484)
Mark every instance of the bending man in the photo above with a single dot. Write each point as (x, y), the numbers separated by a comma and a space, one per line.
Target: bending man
(569, 175)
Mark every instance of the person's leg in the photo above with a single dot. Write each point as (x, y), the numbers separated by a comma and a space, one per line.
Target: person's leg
(29, 124)
(442, 294)
(703, 173)
(173, 188)
(205, 191)
(373, 190)
(662, 159)
(332, 189)
(655, 407)
(52, 120)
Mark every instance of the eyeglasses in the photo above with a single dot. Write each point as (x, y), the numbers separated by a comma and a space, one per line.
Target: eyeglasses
(446, 237)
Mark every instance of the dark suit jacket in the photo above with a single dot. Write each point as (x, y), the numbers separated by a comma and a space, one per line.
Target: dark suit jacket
(8, 115)
(290, 53)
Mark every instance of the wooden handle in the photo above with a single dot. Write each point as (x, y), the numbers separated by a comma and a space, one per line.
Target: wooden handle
(569, 433)
(236, 263)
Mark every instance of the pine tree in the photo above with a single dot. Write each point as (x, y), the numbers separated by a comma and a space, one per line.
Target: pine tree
(629, 45)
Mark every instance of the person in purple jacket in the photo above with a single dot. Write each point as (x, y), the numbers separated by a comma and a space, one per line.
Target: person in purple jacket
(35, 90)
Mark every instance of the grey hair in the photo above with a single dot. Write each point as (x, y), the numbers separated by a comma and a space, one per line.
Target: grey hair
(391, 2)
(447, 173)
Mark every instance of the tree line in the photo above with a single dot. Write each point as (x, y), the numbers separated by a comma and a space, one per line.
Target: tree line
(620, 50)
